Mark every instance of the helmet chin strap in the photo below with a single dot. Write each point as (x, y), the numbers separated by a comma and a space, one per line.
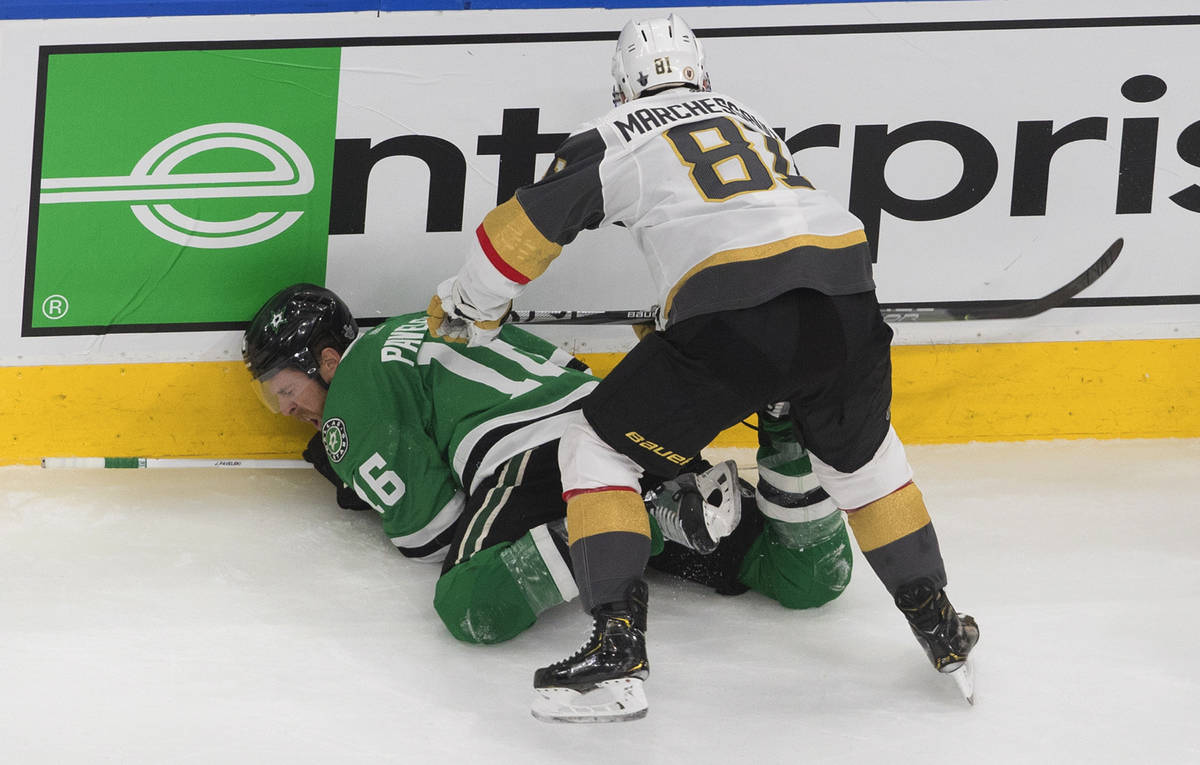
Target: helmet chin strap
(668, 86)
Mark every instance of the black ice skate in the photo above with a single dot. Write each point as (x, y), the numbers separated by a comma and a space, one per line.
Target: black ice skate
(602, 682)
(946, 635)
(698, 510)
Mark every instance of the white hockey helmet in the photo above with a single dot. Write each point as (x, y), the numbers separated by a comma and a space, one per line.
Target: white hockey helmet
(656, 53)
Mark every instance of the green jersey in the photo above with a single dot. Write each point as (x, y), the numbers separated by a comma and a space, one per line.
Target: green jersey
(413, 422)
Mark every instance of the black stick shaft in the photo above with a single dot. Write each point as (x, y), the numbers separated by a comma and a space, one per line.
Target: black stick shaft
(893, 313)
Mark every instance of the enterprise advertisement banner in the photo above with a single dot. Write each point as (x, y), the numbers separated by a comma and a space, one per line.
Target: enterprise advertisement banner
(992, 152)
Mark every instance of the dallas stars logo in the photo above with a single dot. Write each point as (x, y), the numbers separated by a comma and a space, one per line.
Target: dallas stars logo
(276, 320)
(333, 433)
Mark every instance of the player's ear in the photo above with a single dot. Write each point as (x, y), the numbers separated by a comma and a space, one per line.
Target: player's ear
(330, 359)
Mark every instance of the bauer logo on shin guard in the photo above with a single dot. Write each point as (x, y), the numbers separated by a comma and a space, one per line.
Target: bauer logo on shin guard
(661, 451)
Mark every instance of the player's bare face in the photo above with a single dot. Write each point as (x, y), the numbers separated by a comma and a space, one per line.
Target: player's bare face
(298, 396)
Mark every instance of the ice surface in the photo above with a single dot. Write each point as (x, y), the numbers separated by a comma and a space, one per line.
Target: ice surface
(208, 616)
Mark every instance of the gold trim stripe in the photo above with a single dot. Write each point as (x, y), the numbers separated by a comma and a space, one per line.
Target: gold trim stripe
(885, 520)
(763, 251)
(517, 241)
(601, 512)
(943, 394)
(193, 409)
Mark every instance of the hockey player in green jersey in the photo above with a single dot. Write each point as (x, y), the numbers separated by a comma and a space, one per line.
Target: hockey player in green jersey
(456, 448)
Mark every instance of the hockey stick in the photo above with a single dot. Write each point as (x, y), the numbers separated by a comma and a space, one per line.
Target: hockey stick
(582, 317)
(893, 313)
(151, 462)
(1006, 309)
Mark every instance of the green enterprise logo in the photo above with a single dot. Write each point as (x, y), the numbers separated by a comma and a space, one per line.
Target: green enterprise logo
(178, 188)
(155, 177)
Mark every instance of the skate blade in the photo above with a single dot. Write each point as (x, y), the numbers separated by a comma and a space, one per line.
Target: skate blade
(720, 481)
(610, 701)
(964, 678)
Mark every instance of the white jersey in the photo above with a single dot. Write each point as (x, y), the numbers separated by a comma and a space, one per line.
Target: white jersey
(709, 193)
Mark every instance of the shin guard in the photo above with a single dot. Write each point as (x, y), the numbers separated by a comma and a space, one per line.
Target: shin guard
(898, 540)
(610, 542)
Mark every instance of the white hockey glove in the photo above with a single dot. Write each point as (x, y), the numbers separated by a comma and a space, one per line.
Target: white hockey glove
(453, 318)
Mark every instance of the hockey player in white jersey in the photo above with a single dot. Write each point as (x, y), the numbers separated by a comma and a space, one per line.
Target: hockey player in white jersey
(766, 295)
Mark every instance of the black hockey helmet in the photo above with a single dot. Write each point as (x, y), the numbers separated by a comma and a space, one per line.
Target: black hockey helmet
(291, 329)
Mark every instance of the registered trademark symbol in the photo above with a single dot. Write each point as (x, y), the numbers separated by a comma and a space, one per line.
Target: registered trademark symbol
(55, 307)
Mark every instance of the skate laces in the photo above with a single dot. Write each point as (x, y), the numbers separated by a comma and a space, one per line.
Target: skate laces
(666, 504)
(592, 645)
(596, 640)
(924, 607)
(670, 518)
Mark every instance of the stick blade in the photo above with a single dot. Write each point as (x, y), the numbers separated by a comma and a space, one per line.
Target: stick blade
(976, 310)
(1023, 309)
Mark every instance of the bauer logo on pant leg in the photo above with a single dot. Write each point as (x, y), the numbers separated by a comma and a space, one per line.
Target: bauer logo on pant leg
(668, 455)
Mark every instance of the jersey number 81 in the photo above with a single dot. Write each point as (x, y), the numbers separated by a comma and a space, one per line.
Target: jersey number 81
(723, 164)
